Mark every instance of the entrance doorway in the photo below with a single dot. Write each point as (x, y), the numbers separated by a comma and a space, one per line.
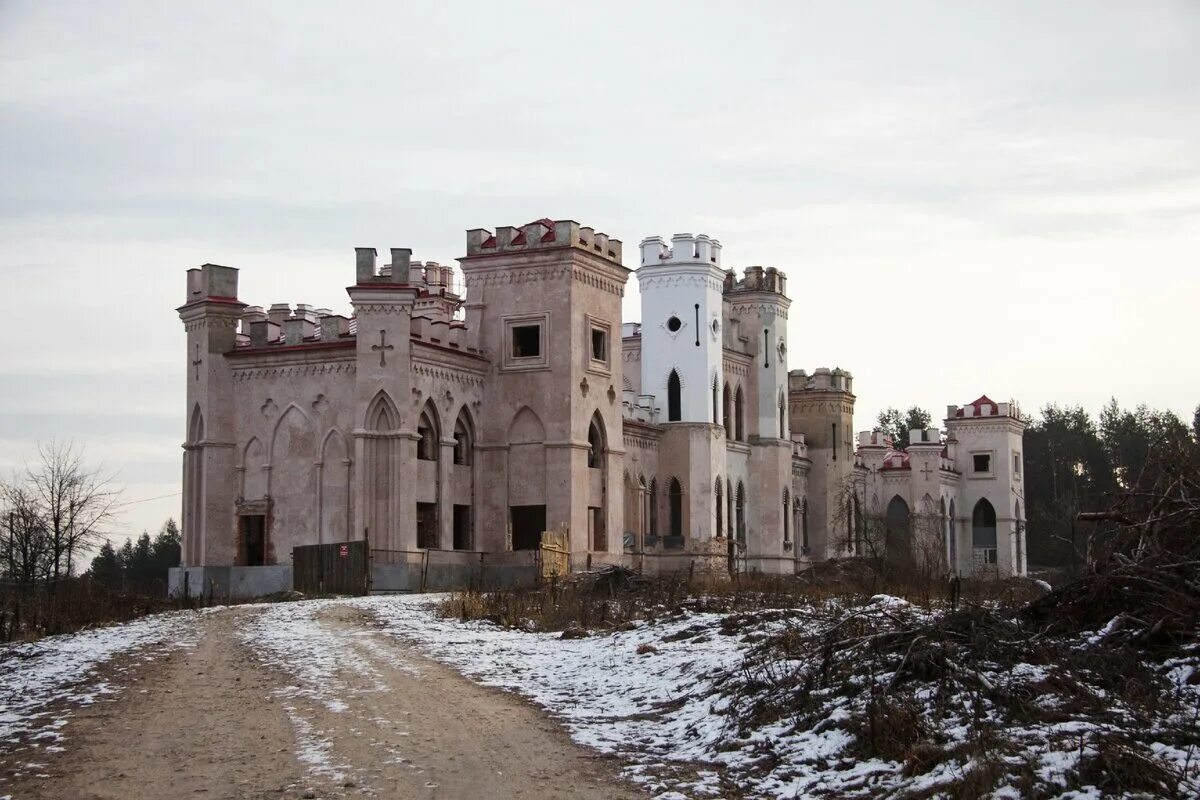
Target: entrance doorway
(462, 527)
(254, 540)
(427, 525)
(528, 522)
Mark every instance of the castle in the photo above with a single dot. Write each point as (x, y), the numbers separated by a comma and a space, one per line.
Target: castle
(442, 420)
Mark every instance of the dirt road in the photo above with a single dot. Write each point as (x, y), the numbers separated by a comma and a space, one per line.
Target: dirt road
(214, 722)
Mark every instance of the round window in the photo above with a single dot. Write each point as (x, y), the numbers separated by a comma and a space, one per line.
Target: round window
(782, 348)
(674, 324)
(716, 326)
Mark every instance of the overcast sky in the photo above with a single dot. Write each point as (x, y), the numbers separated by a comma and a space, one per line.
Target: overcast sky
(966, 198)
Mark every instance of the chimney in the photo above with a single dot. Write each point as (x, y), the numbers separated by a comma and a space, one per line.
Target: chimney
(400, 260)
(365, 263)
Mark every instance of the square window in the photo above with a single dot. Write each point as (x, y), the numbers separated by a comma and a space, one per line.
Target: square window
(983, 462)
(526, 341)
(599, 345)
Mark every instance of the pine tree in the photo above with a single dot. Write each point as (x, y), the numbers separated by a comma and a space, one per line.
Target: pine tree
(106, 567)
(165, 550)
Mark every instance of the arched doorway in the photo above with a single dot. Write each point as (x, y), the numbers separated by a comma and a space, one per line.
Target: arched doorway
(983, 533)
(462, 482)
(898, 525)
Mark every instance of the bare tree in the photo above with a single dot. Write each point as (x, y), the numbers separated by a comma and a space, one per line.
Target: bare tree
(25, 545)
(75, 502)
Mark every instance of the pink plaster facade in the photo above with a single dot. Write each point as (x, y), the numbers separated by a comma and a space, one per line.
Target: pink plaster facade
(474, 416)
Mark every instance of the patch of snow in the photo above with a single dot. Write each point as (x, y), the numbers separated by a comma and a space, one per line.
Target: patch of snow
(37, 677)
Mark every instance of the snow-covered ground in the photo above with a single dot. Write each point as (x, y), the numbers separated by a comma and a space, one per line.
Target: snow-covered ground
(671, 698)
(40, 681)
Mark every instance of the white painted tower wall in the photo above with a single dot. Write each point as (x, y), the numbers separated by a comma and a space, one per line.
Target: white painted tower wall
(685, 281)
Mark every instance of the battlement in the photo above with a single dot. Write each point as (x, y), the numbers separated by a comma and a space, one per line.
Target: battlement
(756, 279)
(211, 282)
(984, 406)
(639, 407)
(823, 379)
(874, 439)
(925, 437)
(684, 249)
(542, 234)
(799, 446)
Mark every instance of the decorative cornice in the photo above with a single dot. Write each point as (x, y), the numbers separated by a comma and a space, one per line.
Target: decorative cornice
(248, 373)
(398, 308)
(213, 322)
(440, 372)
(819, 406)
(506, 276)
(765, 310)
(590, 278)
(679, 279)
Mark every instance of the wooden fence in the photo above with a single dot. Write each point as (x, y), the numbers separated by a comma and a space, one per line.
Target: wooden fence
(337, 568)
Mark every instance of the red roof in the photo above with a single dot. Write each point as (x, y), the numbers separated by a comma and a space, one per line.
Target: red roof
(978, 404)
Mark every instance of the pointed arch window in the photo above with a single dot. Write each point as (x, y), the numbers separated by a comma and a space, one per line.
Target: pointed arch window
(720, 506)
(782, 417)
(787, 515)
(674, 398)
(595, 444)
(727, 417)
(676, 493)
(464, 444)
(741, 512)
(654, 506)
(427, 447)
(739, 413)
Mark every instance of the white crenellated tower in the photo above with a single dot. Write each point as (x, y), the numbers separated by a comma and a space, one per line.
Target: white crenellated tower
(681, 289)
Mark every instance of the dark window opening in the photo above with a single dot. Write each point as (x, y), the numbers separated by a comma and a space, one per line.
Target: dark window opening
(427, 446)
(739, 411)
(654, 507)
(983, 462)
(833, 441)
(595, 447)
(674, 398)
(462, 445)
(427, 525)
(599, 345)
(676, 508)
(787, 531)
(254, 540)
(598, 535)
(527, 522)
(526, 341)
(462, 527)
(674, 324)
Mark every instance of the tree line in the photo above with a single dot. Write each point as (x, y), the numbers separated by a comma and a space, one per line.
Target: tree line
(138, 567)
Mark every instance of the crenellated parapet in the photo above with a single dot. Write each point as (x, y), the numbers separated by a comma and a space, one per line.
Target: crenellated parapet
(823, 379)
(684, 249)
(542, 234)
(767, 280)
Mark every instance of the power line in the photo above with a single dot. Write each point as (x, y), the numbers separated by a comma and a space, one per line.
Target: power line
(147, 500)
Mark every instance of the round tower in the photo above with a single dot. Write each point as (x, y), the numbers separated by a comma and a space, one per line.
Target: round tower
(681, 325)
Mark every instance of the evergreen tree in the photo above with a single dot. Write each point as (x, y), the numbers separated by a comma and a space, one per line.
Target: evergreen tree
(141, 568)
(106, 567)
(165, 550)
(125, 557)
(1067, 470)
